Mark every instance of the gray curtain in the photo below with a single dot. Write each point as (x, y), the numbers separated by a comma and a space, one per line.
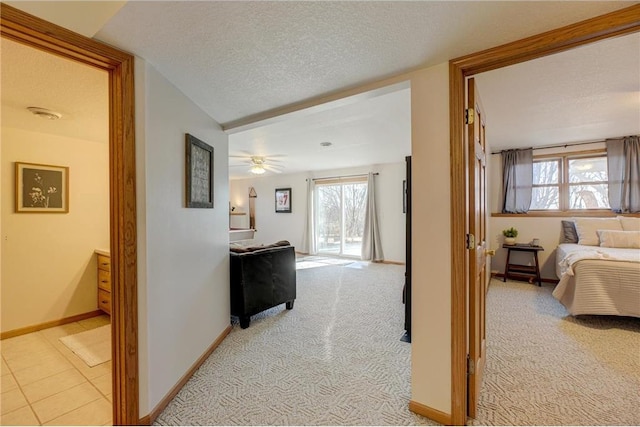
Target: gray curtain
(517, 180)
(309, 236)
(371, 243)
(623, 163)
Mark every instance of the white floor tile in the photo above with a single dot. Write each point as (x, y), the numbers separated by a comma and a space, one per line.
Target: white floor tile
(12, 400)
(8, 383)
(54, 384)
(59, 404)
(94, 413)
(95, 322)
(103, 383)
(48, 368)
(20, 417)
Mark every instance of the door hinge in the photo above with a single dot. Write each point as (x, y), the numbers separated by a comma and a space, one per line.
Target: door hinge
(471, 241)
(469, 116)
(471, 367)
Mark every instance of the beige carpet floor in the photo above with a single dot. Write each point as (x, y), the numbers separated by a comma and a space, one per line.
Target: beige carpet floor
(336, 359)
(545, 367)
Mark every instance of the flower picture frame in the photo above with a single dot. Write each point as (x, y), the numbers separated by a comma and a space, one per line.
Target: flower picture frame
(41, 188)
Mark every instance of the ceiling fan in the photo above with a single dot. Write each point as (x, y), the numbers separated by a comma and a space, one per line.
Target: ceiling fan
(259, 164)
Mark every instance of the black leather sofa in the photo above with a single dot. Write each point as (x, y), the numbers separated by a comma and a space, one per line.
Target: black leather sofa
(262, 277)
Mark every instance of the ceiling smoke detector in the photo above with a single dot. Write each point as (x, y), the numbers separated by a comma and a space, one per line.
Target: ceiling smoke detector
(326, 144)
(44, 113)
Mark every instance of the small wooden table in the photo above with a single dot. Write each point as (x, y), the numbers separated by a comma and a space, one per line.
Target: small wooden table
(532, 271)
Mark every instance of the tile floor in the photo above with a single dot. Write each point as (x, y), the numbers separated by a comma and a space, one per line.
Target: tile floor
(44, 383)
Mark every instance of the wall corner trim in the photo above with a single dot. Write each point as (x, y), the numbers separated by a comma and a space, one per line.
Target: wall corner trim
(430, 413)
(151, 417)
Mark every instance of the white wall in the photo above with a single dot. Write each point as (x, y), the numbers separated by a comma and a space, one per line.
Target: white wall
(48, 260)
(273, 226)
(183, 254)
(547, 229)
(431, 241)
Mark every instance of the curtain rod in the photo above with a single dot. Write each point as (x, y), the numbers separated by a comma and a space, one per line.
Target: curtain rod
(554, 146)
(342, 176)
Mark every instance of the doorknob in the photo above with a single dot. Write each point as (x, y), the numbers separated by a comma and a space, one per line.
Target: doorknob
(490, 252)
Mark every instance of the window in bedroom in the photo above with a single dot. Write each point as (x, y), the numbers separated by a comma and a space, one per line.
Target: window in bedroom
(570, 182)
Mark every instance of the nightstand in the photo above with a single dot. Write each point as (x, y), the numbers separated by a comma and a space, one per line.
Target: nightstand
(530, 271)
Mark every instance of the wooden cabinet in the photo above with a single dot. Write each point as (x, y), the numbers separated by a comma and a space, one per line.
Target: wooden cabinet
(104, 282)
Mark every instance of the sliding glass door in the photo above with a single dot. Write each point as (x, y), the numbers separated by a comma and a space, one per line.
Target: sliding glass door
(340, 212)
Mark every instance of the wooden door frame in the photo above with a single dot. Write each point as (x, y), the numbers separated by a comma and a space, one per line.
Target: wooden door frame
(624, 21)
(37, 33)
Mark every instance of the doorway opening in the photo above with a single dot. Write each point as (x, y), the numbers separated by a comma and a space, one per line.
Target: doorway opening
(35, 32)
(609, 25)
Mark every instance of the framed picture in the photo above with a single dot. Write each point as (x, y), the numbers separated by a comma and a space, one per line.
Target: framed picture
(42, 188)
(199, 167)
(283, 200)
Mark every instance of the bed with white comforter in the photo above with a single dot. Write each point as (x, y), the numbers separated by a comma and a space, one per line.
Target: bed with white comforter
(598, 280)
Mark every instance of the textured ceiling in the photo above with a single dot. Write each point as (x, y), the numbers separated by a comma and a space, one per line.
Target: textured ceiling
(585, 94)
(374, 129)
(32, 78)
(236, 59)
(83, 17)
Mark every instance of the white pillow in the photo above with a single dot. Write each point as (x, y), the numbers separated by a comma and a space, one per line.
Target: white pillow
(587, 227)
(629, 223)
(619, 239)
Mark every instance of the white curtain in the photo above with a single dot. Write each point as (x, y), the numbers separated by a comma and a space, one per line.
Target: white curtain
(371, 244)
(309, 236)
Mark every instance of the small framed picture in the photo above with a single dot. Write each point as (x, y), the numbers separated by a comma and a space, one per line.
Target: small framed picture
(42, 188)
(283, 200)
(199, 179)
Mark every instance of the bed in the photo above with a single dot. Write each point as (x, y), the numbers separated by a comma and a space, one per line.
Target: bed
(599, 280)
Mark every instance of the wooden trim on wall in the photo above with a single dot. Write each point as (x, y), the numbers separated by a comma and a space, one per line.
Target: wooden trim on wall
(618, 23)
(623, 21)
(458, 176)
(37, 33)
(433, 414)
(50, 324)
(153, 415)
(392, 262)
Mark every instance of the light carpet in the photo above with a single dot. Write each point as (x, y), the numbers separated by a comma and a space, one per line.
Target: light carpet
(92, 346)
(311, 261)
(545, 367)
(335, 359)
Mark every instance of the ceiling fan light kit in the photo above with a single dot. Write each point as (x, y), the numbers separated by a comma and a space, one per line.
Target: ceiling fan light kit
(256, 169)
(259, 164)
